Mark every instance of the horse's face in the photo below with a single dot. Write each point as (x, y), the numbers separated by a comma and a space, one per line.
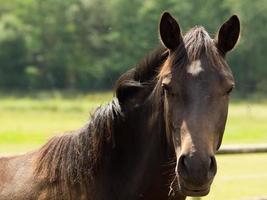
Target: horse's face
(197, 82)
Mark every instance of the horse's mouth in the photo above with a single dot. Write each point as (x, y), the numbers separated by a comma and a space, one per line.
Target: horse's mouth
(195, 192)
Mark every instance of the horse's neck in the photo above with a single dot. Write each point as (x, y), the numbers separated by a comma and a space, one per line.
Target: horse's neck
(142, 131)
(138, 155)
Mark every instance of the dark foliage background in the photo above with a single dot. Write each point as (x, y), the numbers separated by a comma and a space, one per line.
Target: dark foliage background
(87, 44)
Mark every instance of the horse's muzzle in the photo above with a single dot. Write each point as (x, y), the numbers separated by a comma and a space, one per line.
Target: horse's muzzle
(195, 174)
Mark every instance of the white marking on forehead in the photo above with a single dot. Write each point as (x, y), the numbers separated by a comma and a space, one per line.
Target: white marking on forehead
(195, 68)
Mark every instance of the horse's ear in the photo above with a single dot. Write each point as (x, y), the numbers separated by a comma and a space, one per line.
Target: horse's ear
(169, 30)
(128, 93)
(228, 34)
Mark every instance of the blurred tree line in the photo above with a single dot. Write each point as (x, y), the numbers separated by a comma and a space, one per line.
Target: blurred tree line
(87, 44)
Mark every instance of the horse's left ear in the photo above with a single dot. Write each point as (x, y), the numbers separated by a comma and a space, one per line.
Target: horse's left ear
(169, 30)
(228, 34)
(131, 94)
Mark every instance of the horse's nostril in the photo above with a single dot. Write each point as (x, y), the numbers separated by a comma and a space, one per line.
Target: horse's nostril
(182, 166)
(182, 159)
(213, 165)
(212, 162)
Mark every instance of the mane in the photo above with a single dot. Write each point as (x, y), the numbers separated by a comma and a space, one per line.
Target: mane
(146, 70)
(73, 158)
(196, 43)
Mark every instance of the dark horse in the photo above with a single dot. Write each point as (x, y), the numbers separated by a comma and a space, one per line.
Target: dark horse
(156, 139)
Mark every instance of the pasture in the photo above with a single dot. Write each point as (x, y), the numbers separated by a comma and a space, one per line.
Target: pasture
(29, 121)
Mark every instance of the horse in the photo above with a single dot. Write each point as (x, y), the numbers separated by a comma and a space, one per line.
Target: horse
(156, 139)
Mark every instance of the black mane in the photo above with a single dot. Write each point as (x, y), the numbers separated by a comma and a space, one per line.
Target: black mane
(146, 69)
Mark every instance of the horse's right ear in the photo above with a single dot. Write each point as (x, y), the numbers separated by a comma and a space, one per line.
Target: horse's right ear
(169, 30)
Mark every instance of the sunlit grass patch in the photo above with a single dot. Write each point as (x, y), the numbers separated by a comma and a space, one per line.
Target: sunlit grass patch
(240, 177)
(246, 123)
(32, 120)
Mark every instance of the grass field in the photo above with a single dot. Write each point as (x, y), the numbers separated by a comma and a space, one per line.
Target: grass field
(28, 121)
(240, 177)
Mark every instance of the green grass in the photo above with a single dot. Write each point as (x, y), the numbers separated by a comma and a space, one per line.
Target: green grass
(29, 121)
(247, 123)
(240, 177)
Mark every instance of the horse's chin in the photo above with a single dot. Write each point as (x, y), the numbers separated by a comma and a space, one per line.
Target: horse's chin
(193, 191)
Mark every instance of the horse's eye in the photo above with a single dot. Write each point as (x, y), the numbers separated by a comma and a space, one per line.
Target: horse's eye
(166, 87)
(230, 90)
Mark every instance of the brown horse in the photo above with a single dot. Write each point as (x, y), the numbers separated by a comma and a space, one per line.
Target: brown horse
(155, 140)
